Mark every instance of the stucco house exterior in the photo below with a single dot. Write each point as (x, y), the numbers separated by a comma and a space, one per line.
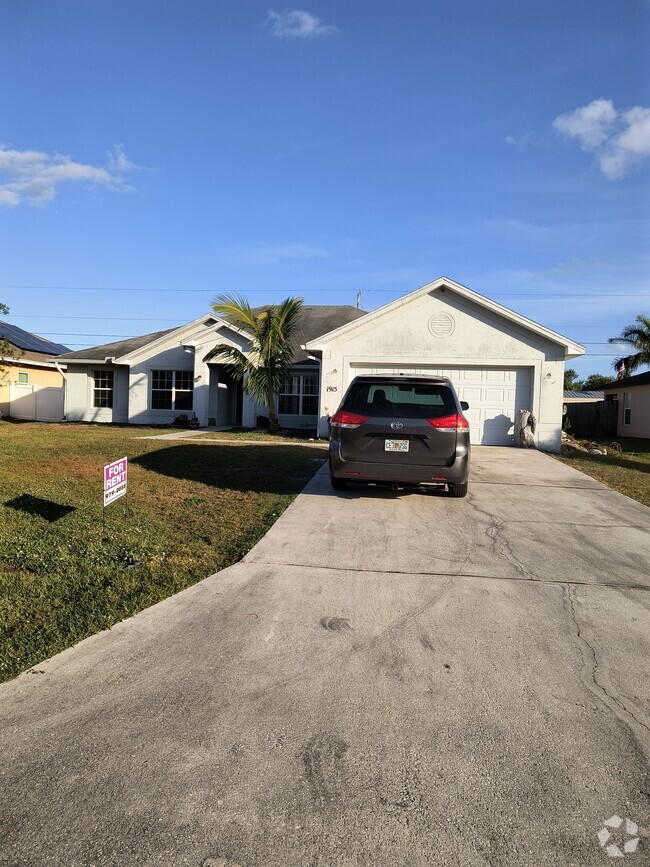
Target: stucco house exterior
(34, 371)
(499, 361)
(633, 396)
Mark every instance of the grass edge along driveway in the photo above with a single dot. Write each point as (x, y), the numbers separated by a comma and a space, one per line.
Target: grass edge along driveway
(194, 508)
(628, 473)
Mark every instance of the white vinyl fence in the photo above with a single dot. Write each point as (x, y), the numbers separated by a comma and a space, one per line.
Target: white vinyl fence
(36, 403)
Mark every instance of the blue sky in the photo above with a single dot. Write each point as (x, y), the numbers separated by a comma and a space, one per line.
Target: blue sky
(213, 146)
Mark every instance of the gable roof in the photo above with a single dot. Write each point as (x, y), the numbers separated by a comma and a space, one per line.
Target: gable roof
(630, 381)
(29, 342)
(116, 349)
(572, 348)
(314, 320)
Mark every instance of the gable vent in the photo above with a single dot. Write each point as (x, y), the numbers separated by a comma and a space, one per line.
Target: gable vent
(442, 325)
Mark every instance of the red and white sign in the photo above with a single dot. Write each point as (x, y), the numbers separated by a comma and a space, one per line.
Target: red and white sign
(115, 480)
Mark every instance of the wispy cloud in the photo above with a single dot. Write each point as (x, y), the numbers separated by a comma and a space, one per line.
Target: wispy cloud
(297, 24)
(575, 264)
(271, 254)
(620, 140)
(522, 141)
(33, 176)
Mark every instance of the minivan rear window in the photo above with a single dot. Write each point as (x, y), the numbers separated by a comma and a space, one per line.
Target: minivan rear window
(396, 400)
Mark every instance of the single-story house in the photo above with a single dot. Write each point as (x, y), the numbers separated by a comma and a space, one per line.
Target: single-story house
(31, 372)
(498, 360)
(633, 396)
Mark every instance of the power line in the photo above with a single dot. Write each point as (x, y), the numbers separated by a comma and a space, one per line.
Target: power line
(392, 291)
(176, 320)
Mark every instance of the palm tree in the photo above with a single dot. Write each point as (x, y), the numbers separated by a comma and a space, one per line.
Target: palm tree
(265, 369)
(638, 336)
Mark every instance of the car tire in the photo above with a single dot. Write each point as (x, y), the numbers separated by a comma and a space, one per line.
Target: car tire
(458, 490)
(338, 484)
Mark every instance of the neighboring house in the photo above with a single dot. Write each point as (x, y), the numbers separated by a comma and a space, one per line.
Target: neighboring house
(31, 372)
(633, 396)
(499, 361)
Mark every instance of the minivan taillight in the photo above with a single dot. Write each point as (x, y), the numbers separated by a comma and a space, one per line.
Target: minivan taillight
(346, 419)
(456, 422)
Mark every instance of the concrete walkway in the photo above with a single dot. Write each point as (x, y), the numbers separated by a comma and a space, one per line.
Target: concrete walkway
(386, 679)
(205, 437)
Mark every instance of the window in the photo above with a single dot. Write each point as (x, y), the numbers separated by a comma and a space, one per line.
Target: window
(23, 379)
(300, 395)
(103, 388)
(400, 400)
(172, 389)
(627, 408)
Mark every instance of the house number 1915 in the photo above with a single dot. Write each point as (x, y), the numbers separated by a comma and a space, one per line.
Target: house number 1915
(332, 388)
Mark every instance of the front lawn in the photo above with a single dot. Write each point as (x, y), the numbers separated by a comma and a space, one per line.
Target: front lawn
(194, 508)
(628, 472)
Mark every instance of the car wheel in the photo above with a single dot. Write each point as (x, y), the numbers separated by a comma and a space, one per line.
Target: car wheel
(338, 484)
(458, 490)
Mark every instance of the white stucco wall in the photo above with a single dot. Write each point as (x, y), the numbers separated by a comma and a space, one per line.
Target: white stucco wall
(475, 337)
(79, 394)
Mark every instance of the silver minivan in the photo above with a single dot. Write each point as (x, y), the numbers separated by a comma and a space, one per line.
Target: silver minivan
(400, 430)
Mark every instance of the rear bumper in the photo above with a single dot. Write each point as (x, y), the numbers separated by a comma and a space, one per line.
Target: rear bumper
(389, 471)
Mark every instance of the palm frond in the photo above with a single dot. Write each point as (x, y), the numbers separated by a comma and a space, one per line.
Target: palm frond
(238, 309)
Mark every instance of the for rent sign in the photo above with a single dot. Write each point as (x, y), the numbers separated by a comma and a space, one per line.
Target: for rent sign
(115, 481)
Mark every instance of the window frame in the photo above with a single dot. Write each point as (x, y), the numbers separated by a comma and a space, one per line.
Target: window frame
(23, 381)
(108, 390)
(302, 395)
(627, 408)
(174, 391)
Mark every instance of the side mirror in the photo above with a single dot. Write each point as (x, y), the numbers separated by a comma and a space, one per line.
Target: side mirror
(464, 405)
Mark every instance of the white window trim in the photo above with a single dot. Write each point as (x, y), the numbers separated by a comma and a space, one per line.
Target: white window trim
(627, 408)
(23, 373)
(173, 372)
(104, 390)
(300, 394)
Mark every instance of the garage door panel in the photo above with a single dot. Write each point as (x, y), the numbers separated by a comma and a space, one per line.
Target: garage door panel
(494, 395)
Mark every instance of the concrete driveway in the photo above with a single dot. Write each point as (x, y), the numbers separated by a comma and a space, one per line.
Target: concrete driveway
(386, 679)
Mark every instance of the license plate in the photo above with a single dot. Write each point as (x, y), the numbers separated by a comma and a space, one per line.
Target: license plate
(396, 446)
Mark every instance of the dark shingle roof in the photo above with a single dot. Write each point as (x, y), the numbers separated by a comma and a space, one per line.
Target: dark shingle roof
(30, 342)
(117, 349)
(629, 381)
(316, 320)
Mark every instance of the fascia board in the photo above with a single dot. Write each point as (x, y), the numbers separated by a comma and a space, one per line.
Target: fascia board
(28, 362)
(178, 335)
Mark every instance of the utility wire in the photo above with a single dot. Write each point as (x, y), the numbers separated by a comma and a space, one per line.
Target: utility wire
(392, 291)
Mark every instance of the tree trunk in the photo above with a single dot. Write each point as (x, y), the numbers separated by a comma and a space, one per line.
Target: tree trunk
(274, 425)
(525, 429)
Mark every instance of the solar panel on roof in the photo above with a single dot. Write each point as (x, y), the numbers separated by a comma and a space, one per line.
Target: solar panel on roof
(30, 342)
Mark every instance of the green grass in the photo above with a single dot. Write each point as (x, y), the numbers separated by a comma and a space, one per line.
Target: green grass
(194, 508)
(628, 472)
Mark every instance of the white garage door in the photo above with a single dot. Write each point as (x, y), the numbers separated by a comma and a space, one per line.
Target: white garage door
(494, 395)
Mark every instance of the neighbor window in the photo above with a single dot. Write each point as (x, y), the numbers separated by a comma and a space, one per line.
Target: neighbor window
(172, 389)
(627, 408)
(300, 395)
(23, 379)
(103, 388)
